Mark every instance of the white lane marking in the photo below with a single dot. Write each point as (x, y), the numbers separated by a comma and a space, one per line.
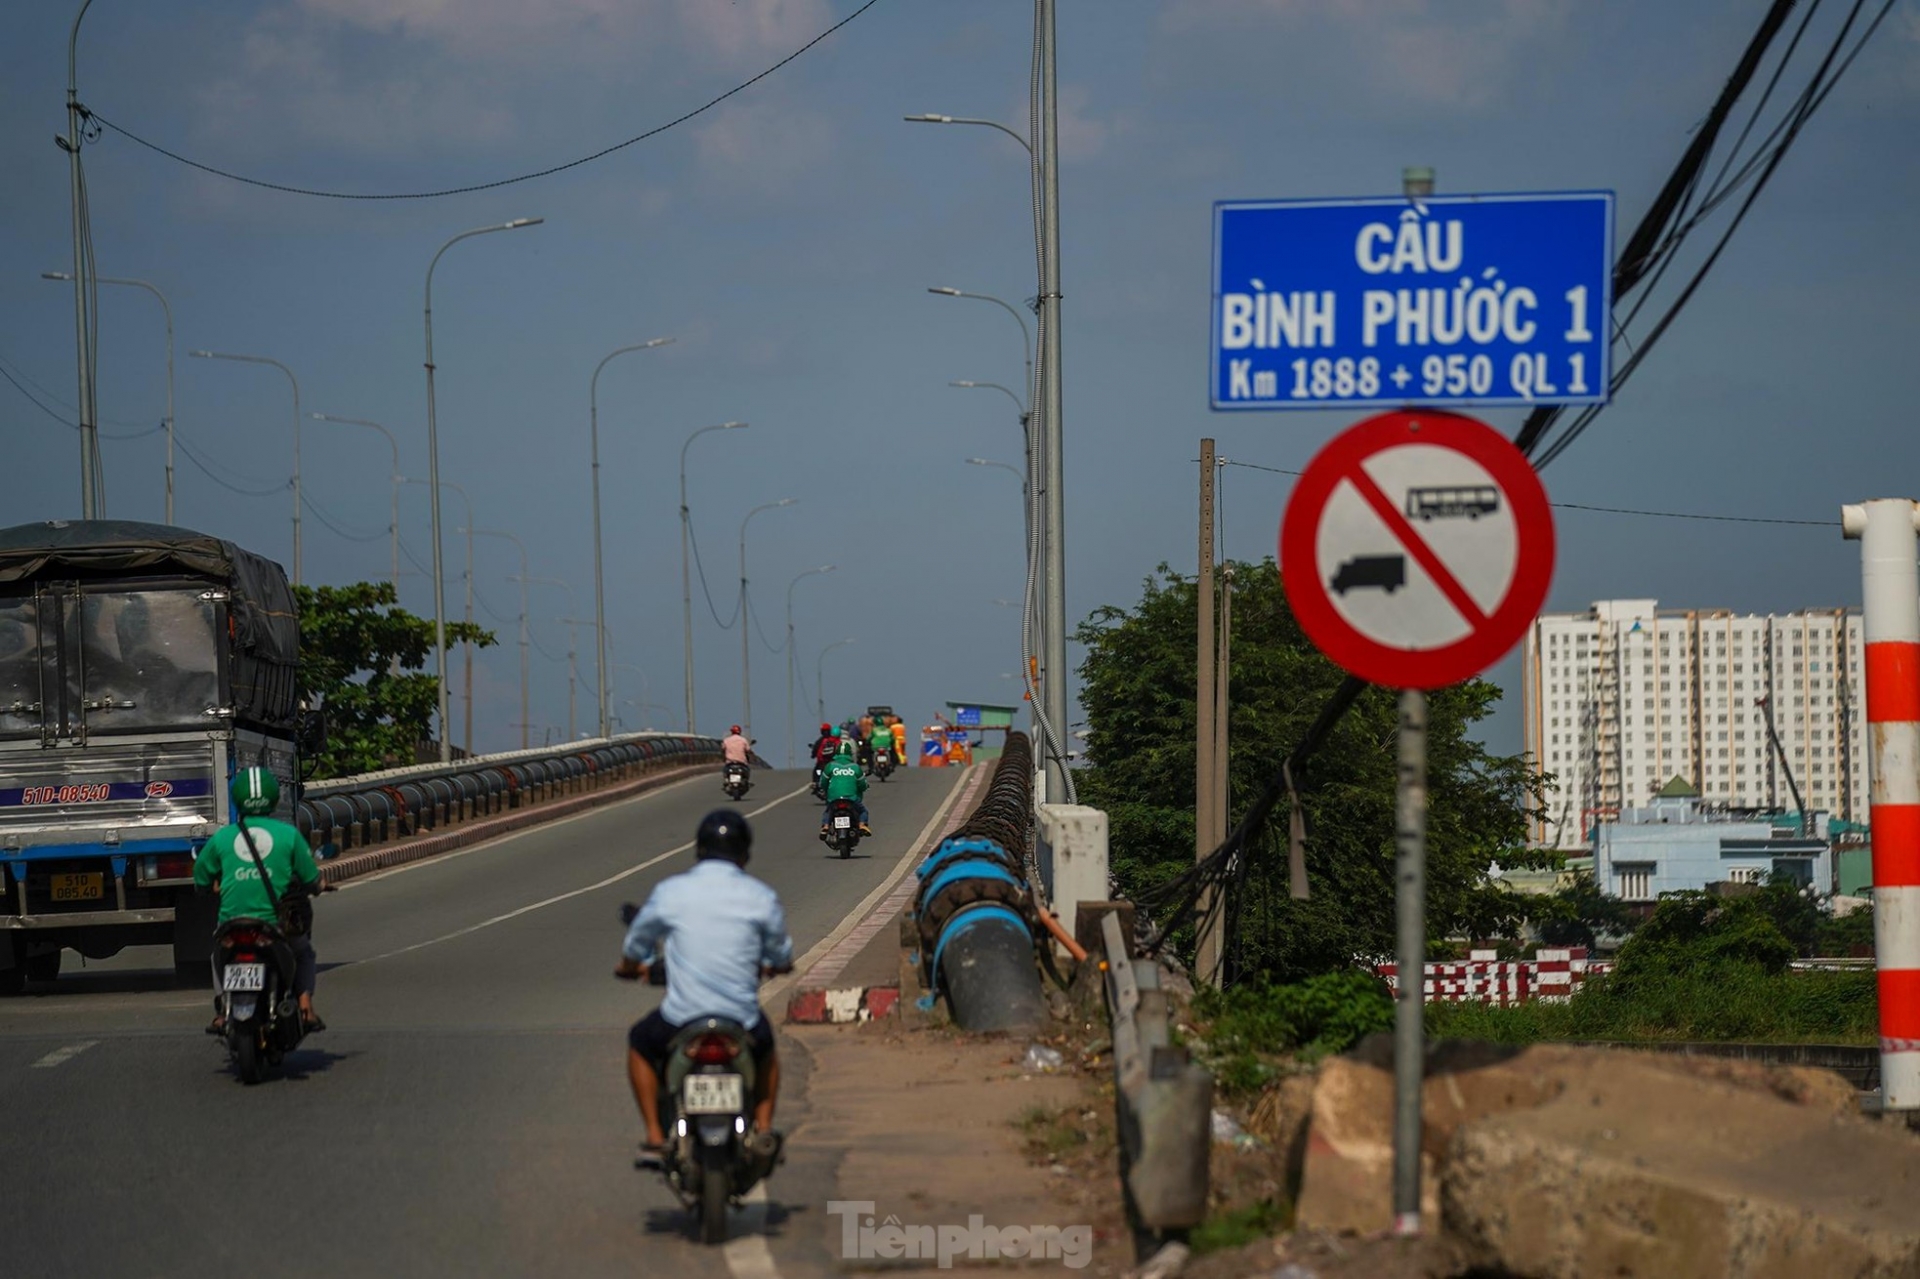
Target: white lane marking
(610, 880)
(59, 1055)
(485, 845)
(748, 1255)
(773, 990)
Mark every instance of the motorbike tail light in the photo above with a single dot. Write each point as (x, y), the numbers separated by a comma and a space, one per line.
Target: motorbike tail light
(243, 937)
(712, 1050)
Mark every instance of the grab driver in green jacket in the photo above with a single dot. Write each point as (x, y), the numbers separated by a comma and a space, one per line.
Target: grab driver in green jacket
(225, 866)
(845, 779)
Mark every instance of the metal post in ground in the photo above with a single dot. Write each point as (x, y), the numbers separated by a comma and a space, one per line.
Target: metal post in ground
(1205, 836)
(1885, 529)
(1410, 906)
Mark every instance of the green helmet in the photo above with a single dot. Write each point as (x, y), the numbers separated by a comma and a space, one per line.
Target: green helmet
(846, 746)
(255, 792)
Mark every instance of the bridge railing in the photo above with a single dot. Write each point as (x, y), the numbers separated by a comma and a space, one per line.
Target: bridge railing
(348, 813)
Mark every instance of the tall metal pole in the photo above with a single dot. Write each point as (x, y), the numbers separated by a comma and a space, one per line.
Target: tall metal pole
(746, 627)
(1206, 838)
(599, 578)
(686, 579)
(297, 503)
(820, 674)
(1059, 785)
(433, 488)
(1410, 913)
(824, 568)
(166, 311)
(91, 503)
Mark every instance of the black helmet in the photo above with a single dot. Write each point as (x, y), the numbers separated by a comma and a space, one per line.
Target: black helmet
(724, 833)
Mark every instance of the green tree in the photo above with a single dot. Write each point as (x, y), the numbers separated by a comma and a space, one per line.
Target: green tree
(1139, 690)
(363, 655)
(1578, 913)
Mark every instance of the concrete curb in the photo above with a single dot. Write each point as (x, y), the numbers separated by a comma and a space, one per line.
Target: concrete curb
(421, 847)
(841, 1004)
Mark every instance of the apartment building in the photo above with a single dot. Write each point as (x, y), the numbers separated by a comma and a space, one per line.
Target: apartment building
(1623, 698)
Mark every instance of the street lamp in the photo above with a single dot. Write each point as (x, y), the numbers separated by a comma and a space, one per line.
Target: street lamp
(393, 525)
(930, 118)
(820, 674)
(686, 579)
(84, 320)
(168, 312)
(746, 629)
(261, 359)
(525, 724)
(433, 477)
(1009, 469)
(824, 568)
(440, 635)
(1026, 338)
(599, 580)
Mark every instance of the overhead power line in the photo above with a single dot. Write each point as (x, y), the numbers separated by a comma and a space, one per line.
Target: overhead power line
(1606, 510)
(549, 171)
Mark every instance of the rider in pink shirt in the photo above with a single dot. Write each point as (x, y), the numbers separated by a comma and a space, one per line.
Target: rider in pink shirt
(735, 748)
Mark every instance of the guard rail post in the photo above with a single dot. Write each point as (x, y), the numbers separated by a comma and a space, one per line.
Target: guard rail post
(1163, 1102)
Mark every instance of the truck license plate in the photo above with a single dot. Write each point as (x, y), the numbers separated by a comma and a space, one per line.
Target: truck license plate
(81, 887)
(244, 977)
(711, 1095)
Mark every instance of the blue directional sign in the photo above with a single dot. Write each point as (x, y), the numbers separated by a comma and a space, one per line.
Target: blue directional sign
(1436, 300)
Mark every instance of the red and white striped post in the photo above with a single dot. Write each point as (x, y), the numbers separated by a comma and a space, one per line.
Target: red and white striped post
(1885, 529)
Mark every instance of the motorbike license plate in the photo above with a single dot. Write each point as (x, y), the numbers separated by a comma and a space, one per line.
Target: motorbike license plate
(84, 887)
(244, 977)
(843, 822)
(712, 1095)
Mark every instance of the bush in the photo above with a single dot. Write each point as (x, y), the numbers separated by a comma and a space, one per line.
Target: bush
(1248, 1027)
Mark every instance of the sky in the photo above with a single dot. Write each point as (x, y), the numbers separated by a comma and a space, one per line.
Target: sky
(786, 239)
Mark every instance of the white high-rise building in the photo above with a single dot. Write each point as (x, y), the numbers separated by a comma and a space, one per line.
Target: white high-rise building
(1621, 699)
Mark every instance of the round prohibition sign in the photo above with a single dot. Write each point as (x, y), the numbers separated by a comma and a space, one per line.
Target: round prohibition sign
(1417, 548)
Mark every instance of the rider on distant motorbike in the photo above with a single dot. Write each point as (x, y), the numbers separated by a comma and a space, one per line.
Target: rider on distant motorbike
(719, 929)
(822, 750)
(226, 867)
(845, 780)
(899, 730)
(735, 749)
(879, 742)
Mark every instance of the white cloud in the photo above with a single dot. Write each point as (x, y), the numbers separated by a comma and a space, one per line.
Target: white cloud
(762, 145)
(721, 29)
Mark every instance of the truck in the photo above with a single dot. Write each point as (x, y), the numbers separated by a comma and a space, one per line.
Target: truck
(141, 665)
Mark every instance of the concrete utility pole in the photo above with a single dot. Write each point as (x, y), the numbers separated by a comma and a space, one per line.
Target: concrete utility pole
(1410, 936)
(1206, 836)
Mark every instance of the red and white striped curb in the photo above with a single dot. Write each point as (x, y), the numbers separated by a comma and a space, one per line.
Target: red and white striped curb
(816, 999)
(1552, 975)
(417, 848)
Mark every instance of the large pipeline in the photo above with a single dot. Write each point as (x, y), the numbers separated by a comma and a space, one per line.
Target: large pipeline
(351, 812)
(974, 911)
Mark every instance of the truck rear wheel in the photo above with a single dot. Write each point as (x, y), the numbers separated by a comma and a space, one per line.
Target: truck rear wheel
(44, 966)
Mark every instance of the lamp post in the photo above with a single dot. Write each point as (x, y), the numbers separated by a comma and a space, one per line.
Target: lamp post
(167, 311)
(686, 579)
(599, 579)
(525, 723)
(84, 321)
(1026, 337)
(572, 646)
(433, 477)
(820, 674)
(1043, 157)
(746, 628)
(393, 525)
(440, 637)
(261, 359)
(824, 568)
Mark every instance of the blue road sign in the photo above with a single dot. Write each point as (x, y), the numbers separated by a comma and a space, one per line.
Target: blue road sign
(1441, 300)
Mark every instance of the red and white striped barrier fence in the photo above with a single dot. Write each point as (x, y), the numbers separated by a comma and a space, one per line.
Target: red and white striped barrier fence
(1553, 975)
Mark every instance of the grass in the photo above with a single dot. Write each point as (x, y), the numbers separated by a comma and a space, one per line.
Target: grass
(1723, 1003)
(1237, 1227)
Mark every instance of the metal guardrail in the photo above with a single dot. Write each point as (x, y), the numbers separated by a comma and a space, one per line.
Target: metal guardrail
(372, 808)
(1164, 1102)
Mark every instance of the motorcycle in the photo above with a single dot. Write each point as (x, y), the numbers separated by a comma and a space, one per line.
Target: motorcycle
(706, 1108)
(262, 1016)
(842, 831)
(735, 781)
(883, 764)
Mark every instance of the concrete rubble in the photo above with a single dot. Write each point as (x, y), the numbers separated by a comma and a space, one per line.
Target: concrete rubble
(1574, 1163)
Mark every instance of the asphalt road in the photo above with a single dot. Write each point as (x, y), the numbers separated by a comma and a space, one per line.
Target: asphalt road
(466, 1112)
